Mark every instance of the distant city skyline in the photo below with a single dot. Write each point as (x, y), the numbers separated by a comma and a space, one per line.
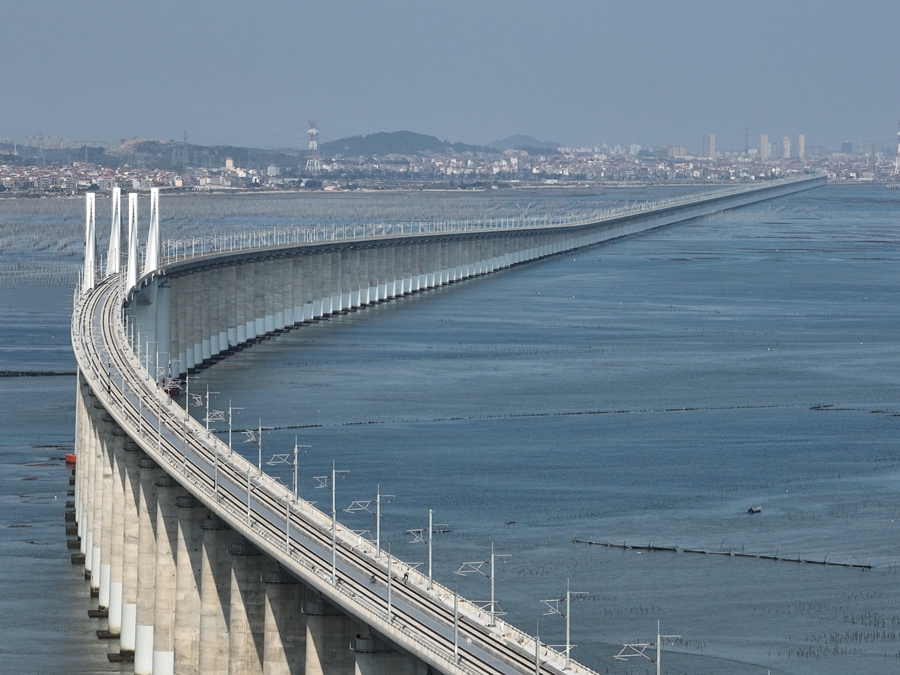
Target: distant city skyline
(580, 73)
(706, 148)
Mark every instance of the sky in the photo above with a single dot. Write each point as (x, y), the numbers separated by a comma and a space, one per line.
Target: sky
(581, 73)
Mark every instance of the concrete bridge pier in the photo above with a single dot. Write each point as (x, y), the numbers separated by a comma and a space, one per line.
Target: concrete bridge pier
(146, 570)
(98, 461)
(131, 484)
(167, 495)
(84, 479)
(328, 637)
(117, 543)
(93, 495)
(247, 615)
(107, 507)
(187, 584)
(375, 657)
(284, 650)
(215, 595)
(82, 426)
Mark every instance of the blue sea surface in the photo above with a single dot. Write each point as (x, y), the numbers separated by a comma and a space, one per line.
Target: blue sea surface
(645, 392)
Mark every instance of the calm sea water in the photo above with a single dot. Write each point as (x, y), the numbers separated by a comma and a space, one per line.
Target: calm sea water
(649, 391)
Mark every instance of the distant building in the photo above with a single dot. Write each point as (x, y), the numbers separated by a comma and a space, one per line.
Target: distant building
(229, 164)
(764, 147)
(708, 146)
(272, 171)
(676, 151)
(847, 147)
(786, 147)
(801, 146)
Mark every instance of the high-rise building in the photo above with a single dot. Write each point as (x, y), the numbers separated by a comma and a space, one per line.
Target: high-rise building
(764, 147)
(708, 146)
(801, 146)
(847, 147)
(786, 147)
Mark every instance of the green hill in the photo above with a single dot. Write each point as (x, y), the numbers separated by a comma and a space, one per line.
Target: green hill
(395, 142)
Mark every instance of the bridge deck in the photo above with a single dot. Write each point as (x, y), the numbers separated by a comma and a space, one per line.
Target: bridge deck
(296, 534)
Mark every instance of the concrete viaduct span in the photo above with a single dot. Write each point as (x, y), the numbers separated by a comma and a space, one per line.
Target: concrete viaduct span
(203, 563)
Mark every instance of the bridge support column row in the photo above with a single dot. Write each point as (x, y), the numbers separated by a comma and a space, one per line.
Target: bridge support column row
(284, 290)
(188, 595)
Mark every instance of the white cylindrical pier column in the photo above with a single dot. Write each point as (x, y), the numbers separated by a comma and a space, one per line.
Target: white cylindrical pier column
(130, 504)
(91, 482)
(117, 558)
(97, 501)
(81, 425)
(164, 600)
(146, 576)
(107, 441)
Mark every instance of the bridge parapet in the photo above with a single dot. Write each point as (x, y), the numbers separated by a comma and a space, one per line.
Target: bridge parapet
(178, 250)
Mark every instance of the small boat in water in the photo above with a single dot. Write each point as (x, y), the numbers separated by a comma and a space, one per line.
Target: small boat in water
(754, 509)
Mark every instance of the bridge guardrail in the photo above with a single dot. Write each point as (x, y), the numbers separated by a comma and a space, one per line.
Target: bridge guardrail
(179, 250)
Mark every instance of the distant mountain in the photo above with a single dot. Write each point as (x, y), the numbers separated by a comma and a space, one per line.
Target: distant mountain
(522, 142)
(171, 155)
(395, 142)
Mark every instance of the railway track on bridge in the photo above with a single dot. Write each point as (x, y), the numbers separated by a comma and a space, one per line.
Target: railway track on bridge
(296, 534)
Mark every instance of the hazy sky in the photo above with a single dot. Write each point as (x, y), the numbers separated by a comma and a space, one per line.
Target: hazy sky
(580, 73)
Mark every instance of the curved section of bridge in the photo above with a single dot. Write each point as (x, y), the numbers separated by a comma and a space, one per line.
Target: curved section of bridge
(203, 563)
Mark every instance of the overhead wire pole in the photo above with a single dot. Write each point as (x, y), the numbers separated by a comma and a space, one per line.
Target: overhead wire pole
(365, 505)
(471, 567)
(419, 538)
(296, 462)
(256, 438)
(553, 605)
(290, 459)
(640, 649)
(286, 458)
(231, 409)
(323, 483)
(430, 547)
